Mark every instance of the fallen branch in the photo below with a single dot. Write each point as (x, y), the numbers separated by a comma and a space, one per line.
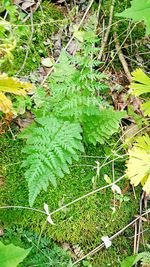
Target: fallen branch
(121, 57)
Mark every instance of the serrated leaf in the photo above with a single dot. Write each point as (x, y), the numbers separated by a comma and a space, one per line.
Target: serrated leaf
(14, 86)
(138, 166)
(140, 83)
(11, 256)
(146, 108)
(51, 145)
(139, 11)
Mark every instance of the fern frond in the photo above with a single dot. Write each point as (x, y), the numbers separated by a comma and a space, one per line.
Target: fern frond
(51, 147)
(78, 105)
(98, 128)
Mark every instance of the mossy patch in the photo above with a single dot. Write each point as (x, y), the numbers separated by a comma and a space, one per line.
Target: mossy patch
(83, 223)
(45, 22)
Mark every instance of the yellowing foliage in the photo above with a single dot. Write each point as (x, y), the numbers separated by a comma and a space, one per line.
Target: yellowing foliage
(14, 86)
(138, 166)
(140, 85)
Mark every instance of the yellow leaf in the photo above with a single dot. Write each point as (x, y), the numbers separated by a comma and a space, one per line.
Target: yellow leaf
(146, 108)
(13, 85)
(138, 166)
(140, 83)
(5, 103)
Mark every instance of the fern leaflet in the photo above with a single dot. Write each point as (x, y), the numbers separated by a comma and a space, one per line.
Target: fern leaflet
(51, 147)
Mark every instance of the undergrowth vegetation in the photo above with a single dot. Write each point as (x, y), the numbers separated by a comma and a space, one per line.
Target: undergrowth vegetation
(74, 124)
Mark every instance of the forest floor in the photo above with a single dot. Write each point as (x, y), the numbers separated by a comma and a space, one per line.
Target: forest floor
(78, 229)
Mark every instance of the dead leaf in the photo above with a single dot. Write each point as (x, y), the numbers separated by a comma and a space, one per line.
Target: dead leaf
(47, 62)
(27, 4)
(23, 123)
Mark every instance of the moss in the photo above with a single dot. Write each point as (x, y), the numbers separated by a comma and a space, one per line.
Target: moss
(83, 223)
(46, 22)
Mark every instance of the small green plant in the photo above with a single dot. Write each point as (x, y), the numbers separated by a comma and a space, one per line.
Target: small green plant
(138, 165)
(143, 258)
(11, 256)
(138, 11)
(75, 110)
(141, 85)
(43, 252)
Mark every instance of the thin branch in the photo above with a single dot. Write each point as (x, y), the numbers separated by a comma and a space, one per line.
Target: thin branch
(28, 48)
(107, 31)
(98, 248)
(120, 47)
(121, 57)
(70, 203)
(67, 45)
(88, 194)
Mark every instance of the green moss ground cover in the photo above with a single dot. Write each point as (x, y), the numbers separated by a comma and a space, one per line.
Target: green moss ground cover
(83, 223)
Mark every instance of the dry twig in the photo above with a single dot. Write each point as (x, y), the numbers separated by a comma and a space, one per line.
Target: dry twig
(28, 48)
(121, 57)
(107, 31)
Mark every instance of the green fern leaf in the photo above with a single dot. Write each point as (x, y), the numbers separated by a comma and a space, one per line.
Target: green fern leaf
(51, 147)
(98, 128)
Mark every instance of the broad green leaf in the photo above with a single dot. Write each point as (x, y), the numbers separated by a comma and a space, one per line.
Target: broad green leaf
(11, 256)
(128, 262)
(138, 166)
(139, 11)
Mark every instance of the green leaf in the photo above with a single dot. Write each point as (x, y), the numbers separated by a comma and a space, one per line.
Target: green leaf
(146, 108)
(52, 144)
(140, 83)
(11, 256)
(138, 166)
(128, 262)
(139, 11)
